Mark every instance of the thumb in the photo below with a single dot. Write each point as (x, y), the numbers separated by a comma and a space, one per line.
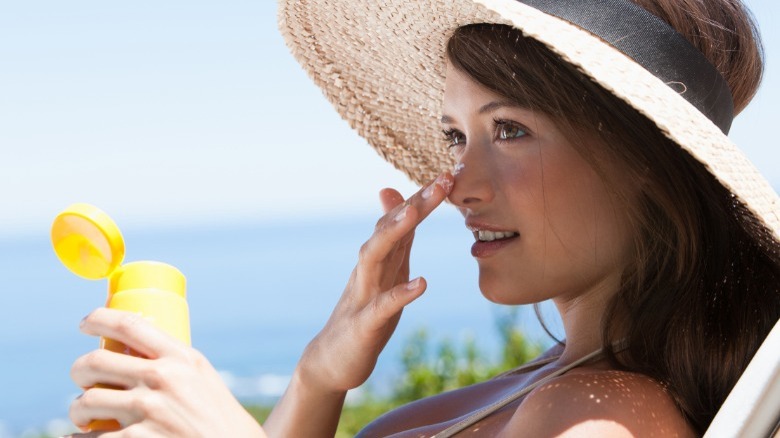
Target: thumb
(390, 198)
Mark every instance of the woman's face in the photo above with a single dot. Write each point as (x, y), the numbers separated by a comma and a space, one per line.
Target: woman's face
(544, 222)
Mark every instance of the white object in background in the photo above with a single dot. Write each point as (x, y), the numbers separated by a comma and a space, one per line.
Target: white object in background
(752, 409)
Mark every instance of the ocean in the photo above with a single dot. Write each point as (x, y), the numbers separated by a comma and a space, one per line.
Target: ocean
(257, 294)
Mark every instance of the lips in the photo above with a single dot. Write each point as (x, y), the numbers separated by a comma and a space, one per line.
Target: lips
(490, 239)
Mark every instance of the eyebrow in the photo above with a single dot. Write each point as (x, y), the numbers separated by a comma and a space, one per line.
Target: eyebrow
(486, 108)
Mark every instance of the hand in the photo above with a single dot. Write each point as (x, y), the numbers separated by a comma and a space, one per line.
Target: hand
(171, 391)
(344, 353)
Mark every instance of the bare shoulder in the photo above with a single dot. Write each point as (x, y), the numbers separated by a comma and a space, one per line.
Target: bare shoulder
(594, 402)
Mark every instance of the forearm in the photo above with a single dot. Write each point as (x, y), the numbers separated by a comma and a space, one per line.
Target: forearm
(305, 410)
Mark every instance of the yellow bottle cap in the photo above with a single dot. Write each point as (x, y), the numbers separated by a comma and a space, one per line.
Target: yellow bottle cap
(145, 274)
(87, 241)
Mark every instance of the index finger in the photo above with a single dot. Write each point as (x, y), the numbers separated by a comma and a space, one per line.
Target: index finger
(432, 195)
(131, 329)
(402, 220)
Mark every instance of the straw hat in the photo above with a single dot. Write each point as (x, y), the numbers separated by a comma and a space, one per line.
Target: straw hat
(381, 64)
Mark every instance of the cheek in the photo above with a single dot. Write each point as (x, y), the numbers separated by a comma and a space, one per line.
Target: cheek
(522, 182)
(565, 207)
(583, 215)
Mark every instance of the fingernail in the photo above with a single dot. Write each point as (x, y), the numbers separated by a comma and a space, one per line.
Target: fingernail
(412, 285)
(83, 321)
(401, 214)
(428, 192)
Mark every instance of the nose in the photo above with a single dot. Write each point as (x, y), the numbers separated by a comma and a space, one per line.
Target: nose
(473, 178)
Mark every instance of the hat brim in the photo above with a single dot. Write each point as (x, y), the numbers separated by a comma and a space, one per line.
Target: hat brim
(382, 66)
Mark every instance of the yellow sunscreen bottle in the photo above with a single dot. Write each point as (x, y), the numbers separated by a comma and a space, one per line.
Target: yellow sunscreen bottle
(89, 243)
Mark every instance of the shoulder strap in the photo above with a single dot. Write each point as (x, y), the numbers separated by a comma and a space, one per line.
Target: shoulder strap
(487, 410)
(530, 366)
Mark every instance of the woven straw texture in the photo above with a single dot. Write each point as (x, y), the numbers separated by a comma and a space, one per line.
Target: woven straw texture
(382, 64)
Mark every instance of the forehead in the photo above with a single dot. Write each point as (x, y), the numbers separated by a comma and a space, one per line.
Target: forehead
(462, 92)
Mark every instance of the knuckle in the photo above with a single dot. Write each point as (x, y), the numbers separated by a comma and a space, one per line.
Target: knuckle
(90, 316)
(90, 361)
(378, 306)
(76, 405)
(78, 365)
(154, 376)
(364, 251)
(81, 404)
(195, 358)
(94, 359)
(387, 304)
(147, 406)
(95, 313)
(150, 406)
(73, 412)
(391, 298)
(128, 323)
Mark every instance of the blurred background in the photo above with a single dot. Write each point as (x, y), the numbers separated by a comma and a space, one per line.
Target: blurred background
(193, 127)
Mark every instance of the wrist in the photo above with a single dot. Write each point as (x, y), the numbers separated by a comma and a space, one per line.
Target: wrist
(307, 408)
(314, 381)
(315, 373)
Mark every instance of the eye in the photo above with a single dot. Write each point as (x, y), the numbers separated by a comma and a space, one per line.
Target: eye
(454, 137)
(506, 130)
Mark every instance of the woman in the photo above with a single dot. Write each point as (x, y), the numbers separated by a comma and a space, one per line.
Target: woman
(594, 174)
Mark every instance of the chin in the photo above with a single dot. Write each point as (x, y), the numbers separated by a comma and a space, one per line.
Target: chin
(505, 292)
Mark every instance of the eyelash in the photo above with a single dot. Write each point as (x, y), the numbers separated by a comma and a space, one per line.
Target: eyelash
(449, 137)
(450, 134)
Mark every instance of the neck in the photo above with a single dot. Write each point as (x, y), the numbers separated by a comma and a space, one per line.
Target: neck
(581, 316)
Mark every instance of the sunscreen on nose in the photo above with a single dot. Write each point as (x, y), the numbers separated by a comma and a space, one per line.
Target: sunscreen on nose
(458, 169)
(89, 244)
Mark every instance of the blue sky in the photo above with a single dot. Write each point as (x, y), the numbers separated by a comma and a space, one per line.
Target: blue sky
(194, 113)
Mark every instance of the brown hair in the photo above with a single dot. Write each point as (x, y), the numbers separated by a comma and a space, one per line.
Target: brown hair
(725, 33)
(703, 289)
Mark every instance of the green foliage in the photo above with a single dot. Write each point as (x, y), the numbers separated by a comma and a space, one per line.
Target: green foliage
(259, 412)
(431, 368)
(516, 348)
(355, 416)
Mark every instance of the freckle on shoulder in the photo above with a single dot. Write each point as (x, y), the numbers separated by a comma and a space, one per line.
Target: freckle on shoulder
(604, 402)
